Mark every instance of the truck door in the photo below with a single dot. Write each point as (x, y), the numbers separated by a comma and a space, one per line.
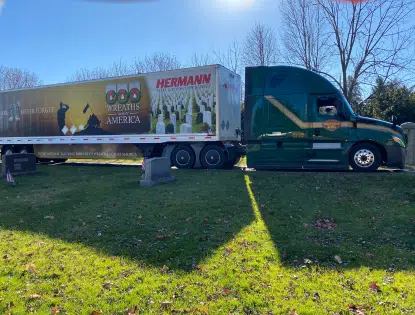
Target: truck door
(285, 138)
(330, 131)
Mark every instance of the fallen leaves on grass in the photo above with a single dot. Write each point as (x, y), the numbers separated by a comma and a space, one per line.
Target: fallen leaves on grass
(164, 268)
(50, 217)
(41, 243)
(96, 312)
(308, 261)
(132, 311)
(161, 236)
(30, 268)
(338, 259)
(54, 310)
(107, 285)
(375, 287)
(10, 305)
(227, 291)
(352, 307)
(166, 304)
(324, 224)
(35, 296)
(356, 310)
(7, 257)
(113, 257)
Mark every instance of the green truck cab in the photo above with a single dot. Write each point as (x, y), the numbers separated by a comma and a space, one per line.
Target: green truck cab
(295, 118)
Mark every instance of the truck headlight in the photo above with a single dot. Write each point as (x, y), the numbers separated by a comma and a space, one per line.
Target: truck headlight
(399, 141)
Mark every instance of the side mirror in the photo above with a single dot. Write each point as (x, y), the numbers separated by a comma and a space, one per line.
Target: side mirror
(394, 120)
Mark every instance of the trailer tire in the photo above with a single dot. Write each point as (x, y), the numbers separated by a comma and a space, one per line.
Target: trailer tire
(213, 157)
(365, 157)
(183, 157)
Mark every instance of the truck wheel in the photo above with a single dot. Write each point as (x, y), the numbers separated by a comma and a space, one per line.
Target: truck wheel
(183, 157)
(213, 157)
(365, 157)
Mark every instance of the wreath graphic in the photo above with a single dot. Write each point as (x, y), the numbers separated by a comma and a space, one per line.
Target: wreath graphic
(135, 95)
(123, 96)
(111, 97)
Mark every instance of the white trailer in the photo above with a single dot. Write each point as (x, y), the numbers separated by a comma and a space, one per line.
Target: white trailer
(192, 116)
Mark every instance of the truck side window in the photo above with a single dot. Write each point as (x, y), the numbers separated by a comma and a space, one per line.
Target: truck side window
(327, 106)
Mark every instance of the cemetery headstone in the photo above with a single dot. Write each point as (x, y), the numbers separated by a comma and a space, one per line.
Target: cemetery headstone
(157, 171)
(18, 164)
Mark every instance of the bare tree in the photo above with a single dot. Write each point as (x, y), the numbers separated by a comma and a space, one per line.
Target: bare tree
(260, 46)
(304, 34)
(197, 60)
(156, 62)
(118, 68)
(85, 74)
(370, 39)
(231, 58)
(15, 78)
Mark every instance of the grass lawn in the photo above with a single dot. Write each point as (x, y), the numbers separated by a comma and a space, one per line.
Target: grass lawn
(80, 239)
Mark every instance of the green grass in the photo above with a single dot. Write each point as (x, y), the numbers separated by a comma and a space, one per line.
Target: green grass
(213, 242)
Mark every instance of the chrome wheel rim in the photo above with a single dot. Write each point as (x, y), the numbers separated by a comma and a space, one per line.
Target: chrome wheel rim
(212, 157)
(364, 158)
(182, 157)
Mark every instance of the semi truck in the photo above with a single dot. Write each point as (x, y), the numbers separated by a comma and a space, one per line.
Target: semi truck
(293, 118)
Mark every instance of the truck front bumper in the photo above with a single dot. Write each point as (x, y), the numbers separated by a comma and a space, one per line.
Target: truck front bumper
(396, 156)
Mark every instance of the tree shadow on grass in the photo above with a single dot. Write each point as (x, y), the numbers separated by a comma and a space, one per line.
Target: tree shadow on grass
(177, 224)
(365, 219)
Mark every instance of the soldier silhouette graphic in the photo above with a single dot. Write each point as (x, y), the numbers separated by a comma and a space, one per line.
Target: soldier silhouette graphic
(61, 113)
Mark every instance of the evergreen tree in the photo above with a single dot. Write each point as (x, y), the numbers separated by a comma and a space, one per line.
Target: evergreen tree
(392, 98)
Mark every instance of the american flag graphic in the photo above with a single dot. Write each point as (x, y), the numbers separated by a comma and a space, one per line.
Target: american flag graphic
(9, 178)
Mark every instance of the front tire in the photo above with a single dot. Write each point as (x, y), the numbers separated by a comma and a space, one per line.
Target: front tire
(365, 157)
(183, 157)
(213, 157)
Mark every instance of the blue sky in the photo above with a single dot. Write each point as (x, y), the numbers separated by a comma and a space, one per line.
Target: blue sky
(55, 37)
